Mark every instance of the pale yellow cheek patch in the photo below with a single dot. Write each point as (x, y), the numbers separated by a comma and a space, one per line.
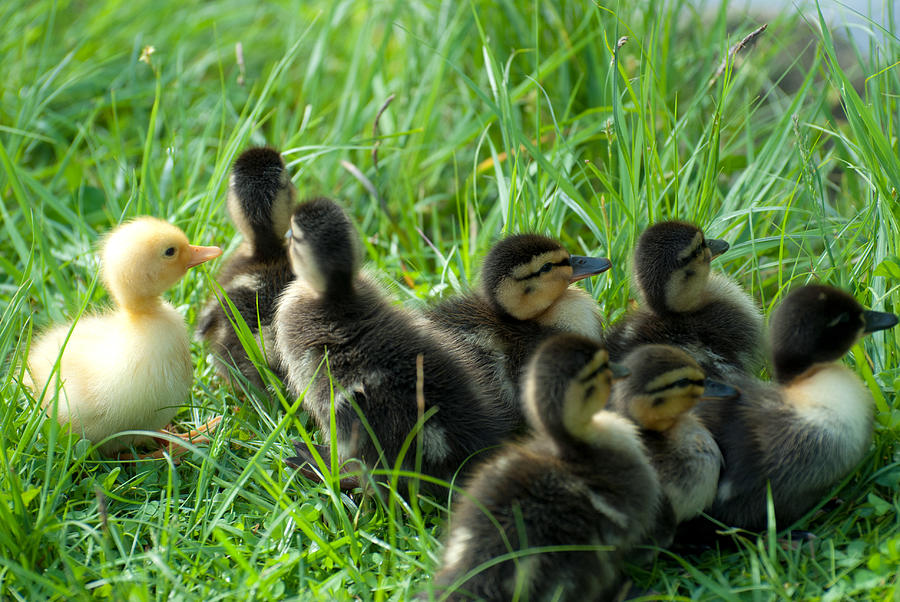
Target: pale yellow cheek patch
(587, 394)
(527, 299)
(689, 250)
(600, 358)
(664, 416)
(538, 261)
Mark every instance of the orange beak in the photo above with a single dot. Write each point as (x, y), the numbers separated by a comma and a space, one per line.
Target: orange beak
(200, 254)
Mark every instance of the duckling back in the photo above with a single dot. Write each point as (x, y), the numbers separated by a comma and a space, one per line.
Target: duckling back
(260, 198)
(334, 328)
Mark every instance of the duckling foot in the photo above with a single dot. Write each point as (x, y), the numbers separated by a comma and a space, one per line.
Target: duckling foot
(305, 463)
(173, 449)
(198, 435)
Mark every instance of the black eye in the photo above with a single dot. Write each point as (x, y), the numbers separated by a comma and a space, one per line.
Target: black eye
(170, 252)
(658, 401)
(545, 268)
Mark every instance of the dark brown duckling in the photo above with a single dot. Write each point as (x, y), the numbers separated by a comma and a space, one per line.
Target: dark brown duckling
(582, 479)
(808, 429)
(664, 385)
(525, 297)
(345, 347)
(261, 197)
(687, 305)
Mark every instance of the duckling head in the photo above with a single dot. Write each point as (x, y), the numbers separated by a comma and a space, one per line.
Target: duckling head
(818, 324)
(567, 381)
(323, 247)
(664, 383)
(524, 274)
(143, 258)
(671, 265)
(260, 199)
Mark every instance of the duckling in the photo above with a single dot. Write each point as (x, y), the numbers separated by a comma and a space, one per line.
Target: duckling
(261, 197)
(687, 305)
(334, 324)
(129, 368)
(808, 429)
(524, 298)
(664, 385)
(583, 479)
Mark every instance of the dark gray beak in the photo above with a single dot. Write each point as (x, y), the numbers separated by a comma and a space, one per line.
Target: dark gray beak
(717, 246)
(582, 266)
(618, 370)
(713, 389)
(878, 320)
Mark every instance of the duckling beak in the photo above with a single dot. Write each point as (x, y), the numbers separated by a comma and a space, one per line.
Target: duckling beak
(618, 370)
(713, 389)
(878, 320)
(717, 246)
(201, 254)
(582, 266)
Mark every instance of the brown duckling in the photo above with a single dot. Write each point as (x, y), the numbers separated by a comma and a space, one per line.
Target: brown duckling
(261, 197)
(336, 332)
(525, 297)
(808, 429)
(129, 368)
(583, 480)
(687, 305)
(664, 385)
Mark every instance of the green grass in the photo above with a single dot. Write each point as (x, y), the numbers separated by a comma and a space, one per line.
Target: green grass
(507, 116)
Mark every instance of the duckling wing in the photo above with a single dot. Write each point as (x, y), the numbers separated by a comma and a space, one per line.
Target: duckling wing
(797, 446)
(254, 292)
(724, 346)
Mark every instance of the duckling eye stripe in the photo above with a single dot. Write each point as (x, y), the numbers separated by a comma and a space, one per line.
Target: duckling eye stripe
(593, 374)
(539, 272)
(684, 382)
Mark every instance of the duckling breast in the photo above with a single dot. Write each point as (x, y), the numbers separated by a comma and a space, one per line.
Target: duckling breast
(574, 311)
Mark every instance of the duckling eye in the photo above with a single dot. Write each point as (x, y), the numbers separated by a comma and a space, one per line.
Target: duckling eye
(170, 252)
(684, 382)
(658, 401)
(545, 268)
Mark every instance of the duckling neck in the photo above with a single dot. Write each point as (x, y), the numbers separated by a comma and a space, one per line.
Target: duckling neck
(574, 311)
(268, 247)
(832, 396)
(139, 306)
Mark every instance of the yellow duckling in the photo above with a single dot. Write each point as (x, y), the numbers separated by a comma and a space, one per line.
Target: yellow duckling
(130, 368)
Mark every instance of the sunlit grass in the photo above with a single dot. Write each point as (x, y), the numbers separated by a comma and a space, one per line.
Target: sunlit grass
(506, 116)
